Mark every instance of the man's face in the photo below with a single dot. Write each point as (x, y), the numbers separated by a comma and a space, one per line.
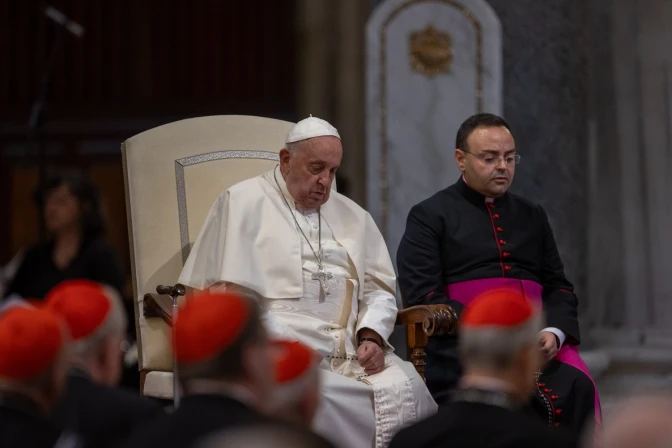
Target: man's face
(310, 171)
(487, 162)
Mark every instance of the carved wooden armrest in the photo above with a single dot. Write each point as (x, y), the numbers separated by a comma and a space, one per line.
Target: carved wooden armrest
(161, 304)
(423, 321)
(435, 319)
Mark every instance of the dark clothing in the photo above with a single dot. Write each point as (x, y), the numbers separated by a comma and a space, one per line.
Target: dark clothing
(457, 236)
(197, 417)
(23, 424)
(102, 415)
(37, 274)
(463, 424)
(565, 397)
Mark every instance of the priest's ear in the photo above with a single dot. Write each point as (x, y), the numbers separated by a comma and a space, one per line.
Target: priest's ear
(284, 156)
(460, 158)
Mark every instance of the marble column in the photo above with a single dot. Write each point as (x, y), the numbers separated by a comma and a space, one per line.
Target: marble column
(331, 81)
(545, 88)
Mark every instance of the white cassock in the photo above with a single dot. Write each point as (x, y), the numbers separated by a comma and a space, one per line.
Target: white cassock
(251, 239)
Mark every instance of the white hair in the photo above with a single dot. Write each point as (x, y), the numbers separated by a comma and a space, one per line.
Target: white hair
(114, 324)
(293, 147)
(495, 347)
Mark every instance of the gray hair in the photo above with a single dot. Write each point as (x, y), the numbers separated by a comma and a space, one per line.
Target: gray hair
(114, 324)
(294, 147)
(495, 347)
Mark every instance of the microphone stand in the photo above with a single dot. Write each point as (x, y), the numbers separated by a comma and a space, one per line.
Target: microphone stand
(36, 120)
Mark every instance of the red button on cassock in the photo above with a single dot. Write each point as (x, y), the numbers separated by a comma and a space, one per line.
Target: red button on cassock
(558, 411)
(508, 268)
(491, 205)
(505, 254)
(496, 216)
(499, 229)
(502, 242)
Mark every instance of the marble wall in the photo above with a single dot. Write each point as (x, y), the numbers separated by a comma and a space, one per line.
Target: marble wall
(545, 102)
(630, 250)
(429, 65)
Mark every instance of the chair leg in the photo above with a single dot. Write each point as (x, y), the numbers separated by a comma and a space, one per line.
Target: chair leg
(417, 341)
(418, 360)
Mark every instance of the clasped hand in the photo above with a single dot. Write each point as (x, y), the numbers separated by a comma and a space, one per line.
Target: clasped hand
(371, 358)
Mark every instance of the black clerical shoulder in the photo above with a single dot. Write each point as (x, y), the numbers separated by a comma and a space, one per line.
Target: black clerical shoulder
(22, 424)
(465, 425)
(103, 416)
(456, 236)
(197, 417)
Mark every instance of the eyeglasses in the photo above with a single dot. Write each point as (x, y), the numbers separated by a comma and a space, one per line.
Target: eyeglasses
(493, 160)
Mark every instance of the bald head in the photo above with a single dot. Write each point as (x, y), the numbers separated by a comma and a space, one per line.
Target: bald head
(644, 421)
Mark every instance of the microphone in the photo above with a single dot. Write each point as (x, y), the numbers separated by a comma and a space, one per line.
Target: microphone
(63, 20)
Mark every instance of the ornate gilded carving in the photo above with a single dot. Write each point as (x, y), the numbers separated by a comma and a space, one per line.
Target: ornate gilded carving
(430, 51)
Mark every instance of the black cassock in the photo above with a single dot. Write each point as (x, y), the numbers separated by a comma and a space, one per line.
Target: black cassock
(24, 424)
(201, 416)
(103, 416)
(480, 424)
(458, 244)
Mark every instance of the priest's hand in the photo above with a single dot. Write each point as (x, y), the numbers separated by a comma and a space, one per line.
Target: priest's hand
(548, 343)
(371, 357)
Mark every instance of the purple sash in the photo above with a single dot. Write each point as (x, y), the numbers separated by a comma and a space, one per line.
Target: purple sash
(466, 292)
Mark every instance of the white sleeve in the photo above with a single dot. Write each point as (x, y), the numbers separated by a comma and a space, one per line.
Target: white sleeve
(559, 333)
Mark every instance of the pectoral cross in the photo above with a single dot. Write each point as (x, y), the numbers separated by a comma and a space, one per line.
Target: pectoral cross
(322, 275)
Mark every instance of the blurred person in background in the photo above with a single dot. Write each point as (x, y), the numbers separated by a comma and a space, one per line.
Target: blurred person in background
(33, 366)
(74, 247)
(225, 370)
(92, 405)
(639, 422)
(499, 348)
(297, 382)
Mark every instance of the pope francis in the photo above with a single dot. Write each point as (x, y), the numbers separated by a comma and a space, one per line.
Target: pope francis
(319, 267)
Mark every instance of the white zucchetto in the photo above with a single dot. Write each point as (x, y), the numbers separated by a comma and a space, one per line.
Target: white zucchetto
(311, 127)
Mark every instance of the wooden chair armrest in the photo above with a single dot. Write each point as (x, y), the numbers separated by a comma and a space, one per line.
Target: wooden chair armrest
(423, 321)
(435, 319)
(159, 305)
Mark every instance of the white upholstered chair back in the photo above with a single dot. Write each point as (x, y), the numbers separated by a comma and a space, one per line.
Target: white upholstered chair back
(173, 174)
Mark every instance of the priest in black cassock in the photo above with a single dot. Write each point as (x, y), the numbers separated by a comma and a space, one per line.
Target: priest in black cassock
(499, 349)
(475, 236)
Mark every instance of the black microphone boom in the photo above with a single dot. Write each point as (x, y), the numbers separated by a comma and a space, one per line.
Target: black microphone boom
(36, 119)
(63, 20)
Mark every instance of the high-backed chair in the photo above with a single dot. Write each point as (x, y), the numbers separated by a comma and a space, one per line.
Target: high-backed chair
(173, 174)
